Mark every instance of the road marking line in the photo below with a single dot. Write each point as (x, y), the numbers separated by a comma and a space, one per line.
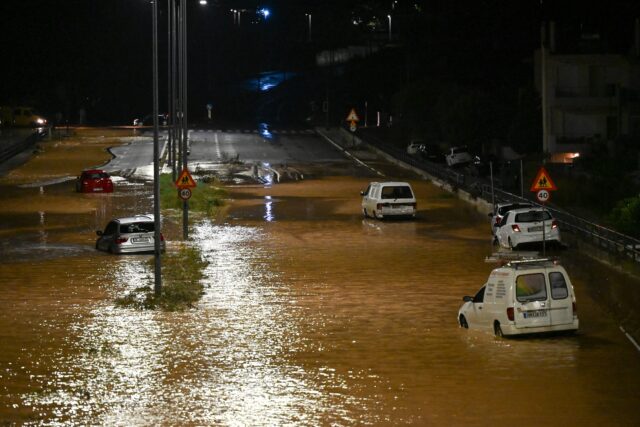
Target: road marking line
(630, 338)
(217, 141)
(339, 147)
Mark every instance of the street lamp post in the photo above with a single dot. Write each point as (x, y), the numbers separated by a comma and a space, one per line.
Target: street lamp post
(156, 158)
(308, 15)
(389, 17)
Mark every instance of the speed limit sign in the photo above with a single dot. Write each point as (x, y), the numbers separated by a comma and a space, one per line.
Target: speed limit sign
(543, 196)
(184, 193)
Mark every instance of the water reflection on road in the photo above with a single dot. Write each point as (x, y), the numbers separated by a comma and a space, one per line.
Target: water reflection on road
(311, 316)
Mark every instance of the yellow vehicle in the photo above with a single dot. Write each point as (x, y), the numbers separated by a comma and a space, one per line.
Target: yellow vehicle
(21, 117)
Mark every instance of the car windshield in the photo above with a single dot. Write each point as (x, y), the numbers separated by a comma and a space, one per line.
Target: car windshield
(396, 192)
(533, 216)
(137, 227)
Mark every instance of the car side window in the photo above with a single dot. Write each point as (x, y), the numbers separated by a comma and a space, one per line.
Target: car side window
(558, 285)
(111, 228)
(504, 219)
(366, 192)
(479, 297)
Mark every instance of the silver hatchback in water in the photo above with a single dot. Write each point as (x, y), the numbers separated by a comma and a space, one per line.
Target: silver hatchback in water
(129, 235)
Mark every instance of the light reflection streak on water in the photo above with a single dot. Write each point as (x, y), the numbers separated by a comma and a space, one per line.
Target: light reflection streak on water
(229, 362)
(119, 369)
(268, 209)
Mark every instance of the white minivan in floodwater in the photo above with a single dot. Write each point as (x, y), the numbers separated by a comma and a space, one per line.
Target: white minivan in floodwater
(523, 297)
(388, 199)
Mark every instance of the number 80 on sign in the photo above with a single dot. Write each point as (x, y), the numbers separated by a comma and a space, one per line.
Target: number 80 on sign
(543, 196)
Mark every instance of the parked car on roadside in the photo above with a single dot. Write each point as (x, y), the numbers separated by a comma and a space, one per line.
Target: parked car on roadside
(388, 199)
(501, 209)
(163, 120)
(523, 297)
(458, 156)
(416, 146)
(94, 181)
(525, 226)
(129, 235)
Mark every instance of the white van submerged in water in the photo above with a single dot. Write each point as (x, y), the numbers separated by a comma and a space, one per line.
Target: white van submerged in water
(388, 199)
(523, 297)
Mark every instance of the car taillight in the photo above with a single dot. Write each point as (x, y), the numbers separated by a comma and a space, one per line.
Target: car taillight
(574, 307)
(515, 228)
(510, 313)
(161, 237)
(554, 224)
(379, 206)
(121, 240)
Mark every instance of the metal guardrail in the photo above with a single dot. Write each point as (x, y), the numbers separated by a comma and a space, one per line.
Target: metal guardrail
(598, 235)
(12, 149)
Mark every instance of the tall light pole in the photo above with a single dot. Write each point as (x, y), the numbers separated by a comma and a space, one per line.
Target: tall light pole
(156, 158)
(308, 15)
(389, 17)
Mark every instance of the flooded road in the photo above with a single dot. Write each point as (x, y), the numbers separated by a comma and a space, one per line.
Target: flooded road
(311, 316)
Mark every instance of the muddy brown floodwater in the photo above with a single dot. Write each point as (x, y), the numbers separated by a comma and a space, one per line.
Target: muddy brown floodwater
(311, 316)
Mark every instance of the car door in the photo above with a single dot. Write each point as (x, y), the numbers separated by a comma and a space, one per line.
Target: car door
(532, 306)
(365, 198)
(561, 301)
(502, 231)
(474, 314)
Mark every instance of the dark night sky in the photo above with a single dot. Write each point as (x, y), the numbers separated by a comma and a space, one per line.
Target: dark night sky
(58, 55)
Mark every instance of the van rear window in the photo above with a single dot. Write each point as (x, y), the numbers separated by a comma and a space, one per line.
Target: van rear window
(396, 192)
(531, 287)
(558, 285)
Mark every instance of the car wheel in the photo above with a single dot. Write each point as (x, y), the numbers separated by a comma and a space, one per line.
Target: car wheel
(463, 322)
(497, 330)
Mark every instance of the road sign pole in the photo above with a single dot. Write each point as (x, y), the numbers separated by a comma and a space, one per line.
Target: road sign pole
(544, 237)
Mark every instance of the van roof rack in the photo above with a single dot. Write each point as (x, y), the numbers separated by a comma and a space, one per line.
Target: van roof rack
(501, 257)
(519, 259)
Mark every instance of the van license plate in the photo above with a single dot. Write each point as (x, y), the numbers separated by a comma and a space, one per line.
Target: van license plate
(534, 313)
(533, 229)
(140, 240)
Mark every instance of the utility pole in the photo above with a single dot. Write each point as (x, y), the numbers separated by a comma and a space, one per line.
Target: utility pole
(156, 160)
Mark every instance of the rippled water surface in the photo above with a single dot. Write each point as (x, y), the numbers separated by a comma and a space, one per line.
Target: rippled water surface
(311, 316)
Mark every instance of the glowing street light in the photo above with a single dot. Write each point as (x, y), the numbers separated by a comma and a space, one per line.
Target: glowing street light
(389, 17)
(308, 15)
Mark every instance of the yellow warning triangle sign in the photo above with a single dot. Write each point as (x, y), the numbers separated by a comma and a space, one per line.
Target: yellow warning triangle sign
(353, 116)
(543, 181)
(185, 180)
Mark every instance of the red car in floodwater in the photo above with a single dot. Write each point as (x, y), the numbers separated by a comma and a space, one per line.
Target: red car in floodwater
(94, 181)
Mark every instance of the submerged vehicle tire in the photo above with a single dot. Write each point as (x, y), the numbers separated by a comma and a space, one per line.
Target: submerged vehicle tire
(364, 212)
(463, 322)
(497, 330)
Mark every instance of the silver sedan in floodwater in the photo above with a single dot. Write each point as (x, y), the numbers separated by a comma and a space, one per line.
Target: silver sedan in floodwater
(129, 235)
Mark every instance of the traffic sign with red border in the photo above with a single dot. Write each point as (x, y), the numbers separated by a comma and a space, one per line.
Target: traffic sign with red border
(185, 180)
(543, 181)
(353, 116)
(184, 193)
